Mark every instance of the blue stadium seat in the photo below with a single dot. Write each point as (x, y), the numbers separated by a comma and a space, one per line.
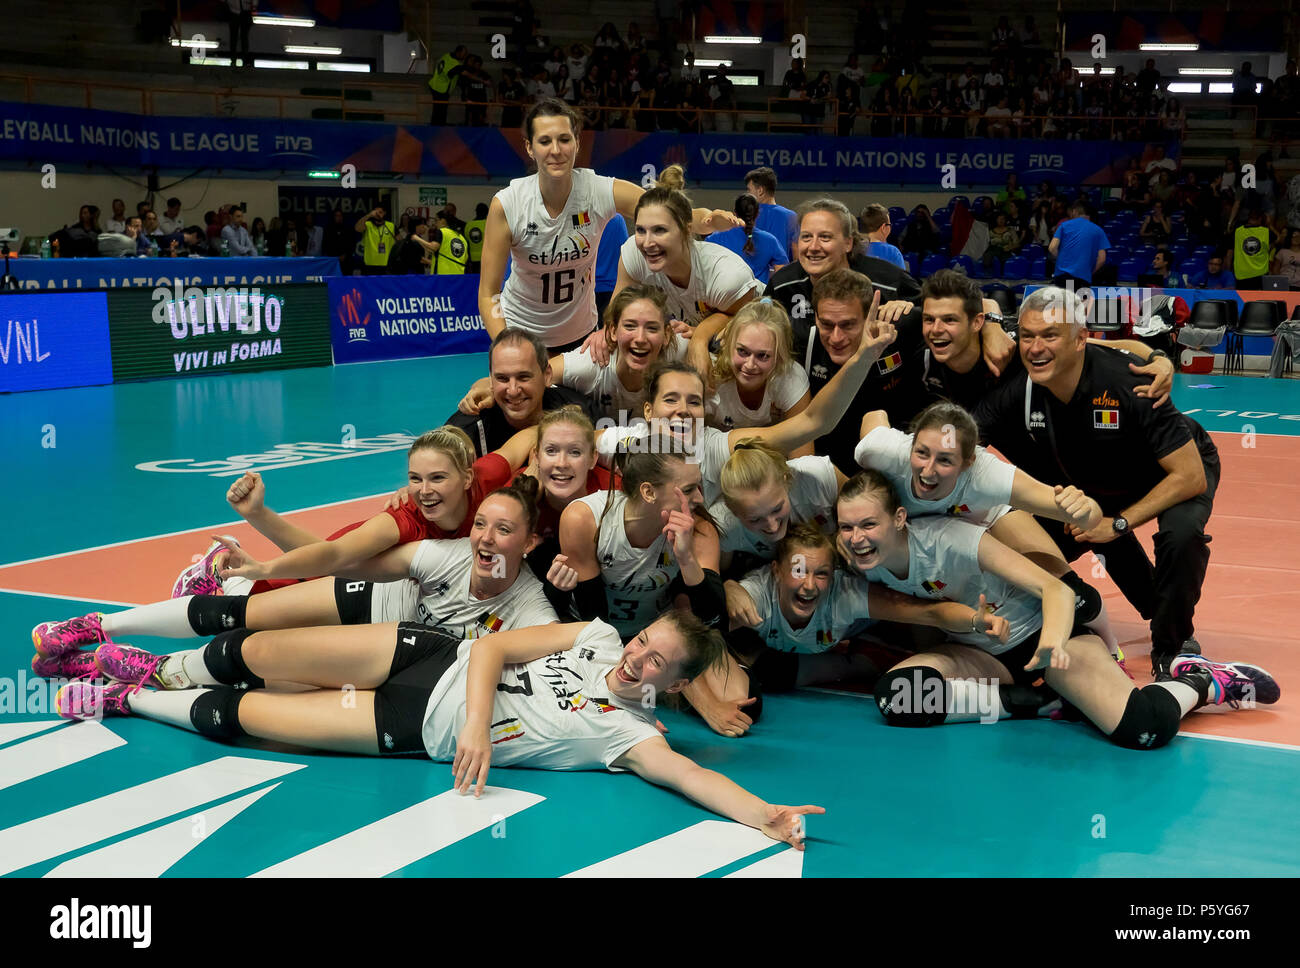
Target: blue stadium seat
(897, 213)
(1038, 267)
(942, 217)
(1117, 254)
(958, 199)
(1144, 253)
(1206, 250)
(1017, 267)
(933, 263)
(1194, 266)
(1130, 269)
(1033, 250)
(966, 263)
(913, 263)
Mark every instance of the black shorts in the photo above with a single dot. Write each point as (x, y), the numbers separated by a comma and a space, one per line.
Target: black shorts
(423, 655)
(353, 601)
(1017, 657)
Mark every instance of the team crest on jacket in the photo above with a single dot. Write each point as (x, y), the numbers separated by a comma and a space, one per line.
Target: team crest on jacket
(933, 587)
(1105, 419)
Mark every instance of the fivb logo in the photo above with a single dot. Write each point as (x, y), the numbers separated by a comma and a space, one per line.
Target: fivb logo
(102, 922)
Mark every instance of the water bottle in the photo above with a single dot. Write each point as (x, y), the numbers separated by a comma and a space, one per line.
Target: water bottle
(45, 249)
(261, 246)
(153, 249)
(288, 248)
(225, 247)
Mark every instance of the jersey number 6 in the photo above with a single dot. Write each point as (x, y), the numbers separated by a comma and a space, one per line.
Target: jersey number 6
(563, 287)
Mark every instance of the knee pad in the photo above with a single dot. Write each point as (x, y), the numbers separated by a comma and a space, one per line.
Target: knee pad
(211, 614)
(1087, 600)
(215, 713)
(224, 657)
(777, 671)
(913, 696)
(1150, 719)
(1025, 702)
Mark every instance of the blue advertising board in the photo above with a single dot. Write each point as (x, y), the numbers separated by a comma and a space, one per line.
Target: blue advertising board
(51, 340)
(402, 317)
(171, 273)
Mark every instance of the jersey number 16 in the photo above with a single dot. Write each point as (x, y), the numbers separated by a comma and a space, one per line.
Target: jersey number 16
(561, 288)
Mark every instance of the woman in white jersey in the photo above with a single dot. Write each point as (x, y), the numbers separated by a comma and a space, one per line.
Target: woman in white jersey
(675, 408)
(549, 225)
(937, 468)
(701, 282)
(804, 605)
(755, 381)
(971, 677)
(636, 336)
(469, 586)
(563, 697)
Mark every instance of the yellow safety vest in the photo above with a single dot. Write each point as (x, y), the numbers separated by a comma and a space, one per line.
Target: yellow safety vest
(440, 82)
(452, 254)
(474, 234)
(375, 237)
(1250, 252)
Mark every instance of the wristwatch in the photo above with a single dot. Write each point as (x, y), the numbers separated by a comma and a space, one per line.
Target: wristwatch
(1120, 524)
(994, 318)
(1160, 353)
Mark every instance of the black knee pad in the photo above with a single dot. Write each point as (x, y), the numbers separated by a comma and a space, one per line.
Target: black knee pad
(777, 671)
(1150, 719)
(1025, 702)
(215, 713)
(224, 657)
(211, 614)
(1087, 600)
(913, 696)
(755, 709)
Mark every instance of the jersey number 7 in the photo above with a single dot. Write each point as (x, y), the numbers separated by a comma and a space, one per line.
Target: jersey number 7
(525, 687)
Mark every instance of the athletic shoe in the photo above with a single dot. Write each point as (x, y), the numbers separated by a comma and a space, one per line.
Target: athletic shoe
(201, 578)
(1234, 683)
(93, 700)
(70, 665)
(56, 638)
(123, 663)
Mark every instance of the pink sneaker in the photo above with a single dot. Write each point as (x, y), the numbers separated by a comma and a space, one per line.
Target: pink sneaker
(124, 663)
(70, 665)
(93, 700)
(56, 638)
(201, 578)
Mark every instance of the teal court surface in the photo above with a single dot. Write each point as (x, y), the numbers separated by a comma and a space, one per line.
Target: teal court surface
(111, 490)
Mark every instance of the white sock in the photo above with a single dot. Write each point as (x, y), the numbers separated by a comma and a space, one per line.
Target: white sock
(192, 667)
(1101, 627)
(169, 620)
(1186, 694)
(172, 708)
(237, 585)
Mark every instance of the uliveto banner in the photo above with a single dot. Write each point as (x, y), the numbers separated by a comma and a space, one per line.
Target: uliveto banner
(400, 317)
(42, 133)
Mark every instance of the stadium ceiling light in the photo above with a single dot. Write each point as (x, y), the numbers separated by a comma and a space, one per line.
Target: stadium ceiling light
(210, 61)
(194, 43)
(324, 173)
(1205, 71)
(1169, 47)
(267, 20)
(1105, 71)
(343, 66)
(312, 49)
(282, 65)
(1220, 87)
(718, 39)
(711, 62)
(1184, 87)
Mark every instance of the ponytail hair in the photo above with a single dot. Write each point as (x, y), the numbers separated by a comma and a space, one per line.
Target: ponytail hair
(524, 489)
(746, 209)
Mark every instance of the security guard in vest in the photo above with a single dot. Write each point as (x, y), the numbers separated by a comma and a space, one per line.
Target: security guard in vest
(445, 72)
(474, 230)
(1251, 244)
(378, 237)
(447, 248)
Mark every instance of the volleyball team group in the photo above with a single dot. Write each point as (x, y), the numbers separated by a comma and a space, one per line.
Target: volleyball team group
(787, 489)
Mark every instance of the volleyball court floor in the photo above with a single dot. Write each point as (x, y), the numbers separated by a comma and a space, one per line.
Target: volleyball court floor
(88, 526)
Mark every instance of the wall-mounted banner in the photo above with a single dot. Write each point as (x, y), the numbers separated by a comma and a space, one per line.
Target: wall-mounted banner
(150, 273)
(50, 340)
(296, 201)
(197, 331)
(41, 133)
(401, 317)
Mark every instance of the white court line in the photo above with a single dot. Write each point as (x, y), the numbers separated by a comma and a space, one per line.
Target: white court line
(68, 598)
(405, 837)
(690, 852)
(207, 527)
(11, 732)
(1244, 742)
(52, 751)
(787, 863)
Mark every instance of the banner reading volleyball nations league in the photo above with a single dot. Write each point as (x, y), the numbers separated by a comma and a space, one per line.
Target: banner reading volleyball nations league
(208, 330)
(402, 317)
